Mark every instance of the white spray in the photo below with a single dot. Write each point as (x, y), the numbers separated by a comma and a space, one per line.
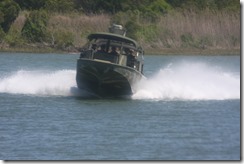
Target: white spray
(190, 81)
(39, 82)
(184, 81)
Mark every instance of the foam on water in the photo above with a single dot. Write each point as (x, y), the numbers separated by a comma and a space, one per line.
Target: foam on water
(184, 81)
(39, 82)
(190, 81)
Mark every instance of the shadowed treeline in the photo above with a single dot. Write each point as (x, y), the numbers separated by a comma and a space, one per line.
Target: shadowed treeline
(161, 26)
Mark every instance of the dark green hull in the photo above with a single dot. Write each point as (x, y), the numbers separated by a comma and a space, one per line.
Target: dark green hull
(105, 79)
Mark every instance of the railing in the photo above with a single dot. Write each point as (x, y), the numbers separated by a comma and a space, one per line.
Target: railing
(90, 54)
(117, 59)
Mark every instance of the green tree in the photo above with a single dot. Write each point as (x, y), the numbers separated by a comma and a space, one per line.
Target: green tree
(31, 4)
(159, 6)
(115, 6)
(132, 28)
(34, 29)
(2, 35)
(99, 6)
(155, 10)
(51, 5)
(63, 39)
(9, 10)
(203, 4)
(231, 5)
(59, 5)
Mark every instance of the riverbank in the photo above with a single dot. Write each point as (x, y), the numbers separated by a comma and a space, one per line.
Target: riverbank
(227, 52)
(194, 52)
(178, 32)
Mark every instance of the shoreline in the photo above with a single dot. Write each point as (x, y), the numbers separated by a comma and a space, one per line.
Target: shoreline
(195, 52)
(168, 51)
(177, 33)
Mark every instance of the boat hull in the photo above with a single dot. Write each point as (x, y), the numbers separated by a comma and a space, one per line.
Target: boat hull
(104, 79)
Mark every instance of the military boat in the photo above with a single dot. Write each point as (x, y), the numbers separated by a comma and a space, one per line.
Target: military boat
(110, 64)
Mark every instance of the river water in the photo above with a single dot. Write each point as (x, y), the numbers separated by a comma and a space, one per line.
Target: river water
(188, 108)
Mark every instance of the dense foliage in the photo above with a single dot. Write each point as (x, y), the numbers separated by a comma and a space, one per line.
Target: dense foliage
(229, 5)
(35, 26)
(9, 11)
(114, 6)
(143, 19)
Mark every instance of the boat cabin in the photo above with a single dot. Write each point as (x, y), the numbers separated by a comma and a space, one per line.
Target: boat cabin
(115, 49)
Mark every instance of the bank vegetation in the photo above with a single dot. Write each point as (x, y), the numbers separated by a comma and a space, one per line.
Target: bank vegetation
(161, 27)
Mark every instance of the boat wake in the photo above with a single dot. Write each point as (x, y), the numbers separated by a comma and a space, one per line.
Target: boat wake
(190, 81)
(59, 83)
(185, 81)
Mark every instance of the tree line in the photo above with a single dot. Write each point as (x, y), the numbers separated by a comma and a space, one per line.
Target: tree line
(34, 29)
(114, 6)
(9, 9)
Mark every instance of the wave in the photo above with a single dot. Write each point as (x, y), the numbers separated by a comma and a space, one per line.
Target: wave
(184, 81)
(190, 81)
(39, 82)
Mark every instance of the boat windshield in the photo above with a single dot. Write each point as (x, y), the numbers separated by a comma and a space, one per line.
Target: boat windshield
(111, 40)
(115, 49)
(114, 37)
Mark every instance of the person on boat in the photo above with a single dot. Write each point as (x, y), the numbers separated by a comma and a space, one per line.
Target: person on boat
(130, 58)
(94, 47)
(114, 54)
(114, 51)
(102, 49)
